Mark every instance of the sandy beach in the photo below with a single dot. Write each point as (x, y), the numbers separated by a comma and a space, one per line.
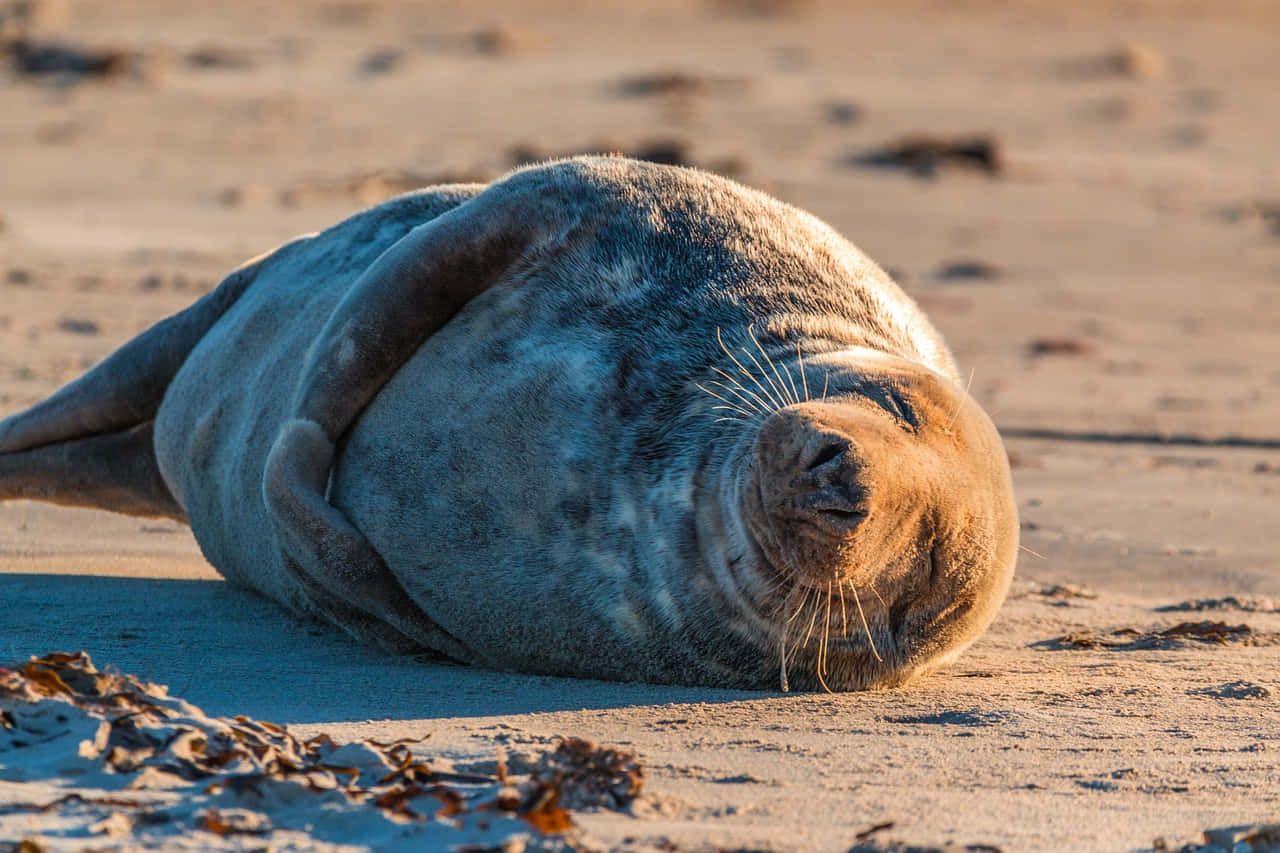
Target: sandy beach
(1084, 197)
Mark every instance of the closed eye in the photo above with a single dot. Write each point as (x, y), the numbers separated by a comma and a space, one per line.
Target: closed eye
(895, 403)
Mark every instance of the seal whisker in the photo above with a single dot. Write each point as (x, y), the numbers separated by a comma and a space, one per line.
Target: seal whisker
(844, 623)
(728, 403)
(795, 397)
(781, 393)
(960, 401)
(803, 379)
(865, 626)
(737, 391)
(876, 593)
(737, 388)
(745, 372)
(824, 648)
(792, 617)
(826, 377)
(786, 605)
(781, 386)
(813, 620)
(741, 412)
(1032, 553)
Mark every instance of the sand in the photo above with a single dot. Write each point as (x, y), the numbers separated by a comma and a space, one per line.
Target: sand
(1109, 275)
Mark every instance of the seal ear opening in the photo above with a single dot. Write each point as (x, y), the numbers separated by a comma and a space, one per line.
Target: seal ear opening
(411, 291)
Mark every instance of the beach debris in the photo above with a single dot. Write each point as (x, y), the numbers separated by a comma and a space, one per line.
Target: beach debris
(954, 718)
(39, 58)
(873, 830)
(589, 777)
(346, 13)
(1058, 346)
(498, 40)
(108, 754)
(1132, 60)
(763, 8)
(215, 57)
(17, 16)
(1251, 604)
(673, 83)
(1067, 590)
(866, 842)
(78, 326)
(926, 156)
(842, 112)
(1058, 594)
(968, 270)
(1254, 212)
(1234, 690)
(382, 61)
(1246, 838)
(1182, 635)
(1135, 60)
(494, 41)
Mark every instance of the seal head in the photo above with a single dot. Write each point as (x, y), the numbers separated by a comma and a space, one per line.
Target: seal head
(885, 513)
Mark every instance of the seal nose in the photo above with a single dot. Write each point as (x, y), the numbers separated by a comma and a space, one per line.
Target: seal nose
(834, 497)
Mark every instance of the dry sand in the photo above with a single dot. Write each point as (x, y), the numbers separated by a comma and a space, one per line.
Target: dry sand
(1113, 285)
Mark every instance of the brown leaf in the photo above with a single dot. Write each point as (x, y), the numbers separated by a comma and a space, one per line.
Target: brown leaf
(211, 821)
(549, 819)
(397, 800)
(46, 681)
(353, 773)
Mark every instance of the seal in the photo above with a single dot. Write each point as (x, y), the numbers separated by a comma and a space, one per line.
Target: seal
(600, 418)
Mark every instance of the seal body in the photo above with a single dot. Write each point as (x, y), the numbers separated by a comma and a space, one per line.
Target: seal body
(562, 480)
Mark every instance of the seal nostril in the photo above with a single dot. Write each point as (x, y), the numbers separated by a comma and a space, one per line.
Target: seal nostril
(826, 454)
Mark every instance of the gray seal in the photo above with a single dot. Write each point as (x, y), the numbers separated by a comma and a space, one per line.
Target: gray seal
(599, 418)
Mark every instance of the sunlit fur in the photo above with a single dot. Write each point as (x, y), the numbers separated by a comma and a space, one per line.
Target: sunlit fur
(934, 558)
(599, 418)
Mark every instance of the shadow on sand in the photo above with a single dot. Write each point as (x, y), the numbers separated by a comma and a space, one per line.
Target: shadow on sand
(232, 652)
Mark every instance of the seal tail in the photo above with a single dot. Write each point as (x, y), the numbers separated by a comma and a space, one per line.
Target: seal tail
(90, 444)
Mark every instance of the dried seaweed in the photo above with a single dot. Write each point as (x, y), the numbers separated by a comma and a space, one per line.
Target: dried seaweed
(927, 156)
(238, 773)
(1182, 635)
(586, 776)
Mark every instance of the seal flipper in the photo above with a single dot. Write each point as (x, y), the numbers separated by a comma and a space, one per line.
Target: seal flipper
(90, 444)
(115, 471)
(406, 295)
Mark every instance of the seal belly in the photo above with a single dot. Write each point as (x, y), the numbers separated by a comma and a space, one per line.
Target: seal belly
(475, 472)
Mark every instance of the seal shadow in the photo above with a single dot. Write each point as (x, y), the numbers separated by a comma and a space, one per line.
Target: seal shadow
(230, 651)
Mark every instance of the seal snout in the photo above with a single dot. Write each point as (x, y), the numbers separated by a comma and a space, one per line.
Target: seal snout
(813, 489)
(829, 492)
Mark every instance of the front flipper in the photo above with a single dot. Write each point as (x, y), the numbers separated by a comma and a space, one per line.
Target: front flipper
(409, 292)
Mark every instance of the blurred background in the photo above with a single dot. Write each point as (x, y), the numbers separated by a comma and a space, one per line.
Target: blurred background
(1084, 196)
